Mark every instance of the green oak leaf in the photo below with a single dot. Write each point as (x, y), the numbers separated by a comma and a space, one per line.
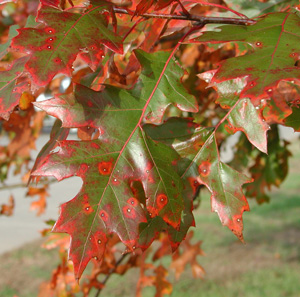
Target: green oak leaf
(122, 157)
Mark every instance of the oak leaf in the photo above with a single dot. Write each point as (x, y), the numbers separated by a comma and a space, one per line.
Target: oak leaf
(54, 45)
(122, 156)
(275, 49)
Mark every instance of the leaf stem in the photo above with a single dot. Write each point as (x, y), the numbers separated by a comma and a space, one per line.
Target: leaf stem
(200, 20)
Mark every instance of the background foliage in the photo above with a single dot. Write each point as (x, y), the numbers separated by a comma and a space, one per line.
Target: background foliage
(153, 91)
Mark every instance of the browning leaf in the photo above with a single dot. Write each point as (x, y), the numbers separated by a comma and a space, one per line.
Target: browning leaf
(8, 209)
(188, 255)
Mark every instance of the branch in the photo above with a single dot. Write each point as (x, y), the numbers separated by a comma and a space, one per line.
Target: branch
(111, 271)
(200, 20)
(22, 185)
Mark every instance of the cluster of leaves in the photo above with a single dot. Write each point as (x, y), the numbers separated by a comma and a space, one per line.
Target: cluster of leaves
(154, 95)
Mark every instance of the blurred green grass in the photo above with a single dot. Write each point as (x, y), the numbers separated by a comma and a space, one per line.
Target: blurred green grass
(268, 265)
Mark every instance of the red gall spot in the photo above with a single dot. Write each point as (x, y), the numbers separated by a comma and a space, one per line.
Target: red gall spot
(46, 47)
(50, 30)
(95, 145)
(57, 60)
(161, 201)
(115, 182)
(131, 244)
(204, 168)
(153, 212)
(105, 168)
(258, 43)
(103, 215)
(90, 103)
(194, 184)
(129, 212)
(99, 238)
(132, 201)
(50, 39)
(87, 208)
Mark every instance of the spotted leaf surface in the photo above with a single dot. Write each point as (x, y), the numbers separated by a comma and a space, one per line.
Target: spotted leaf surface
(106, 201)
(224, 183)
(201, 165)
(275, 42)
(63, 35)
(11, 87)
(186, 138)
(115, 166)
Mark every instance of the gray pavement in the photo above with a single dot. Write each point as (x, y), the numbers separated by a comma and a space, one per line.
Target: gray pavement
(24, 225)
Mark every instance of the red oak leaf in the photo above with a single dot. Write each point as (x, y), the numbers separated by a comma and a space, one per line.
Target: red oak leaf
(55, 44)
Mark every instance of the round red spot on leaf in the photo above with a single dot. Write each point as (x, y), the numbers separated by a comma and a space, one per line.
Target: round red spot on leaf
(194, 184)
(161, 201)
(132, 201)
(87, 208)
(50, 30)
(50, 39)
(57, 60)
(105, 168)
(129, 212)
(153, 212)
(204, 168)
(103, 215)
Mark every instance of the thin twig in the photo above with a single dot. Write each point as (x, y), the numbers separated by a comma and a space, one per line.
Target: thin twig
(111, 271)
(200, 20)
(22, 185)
